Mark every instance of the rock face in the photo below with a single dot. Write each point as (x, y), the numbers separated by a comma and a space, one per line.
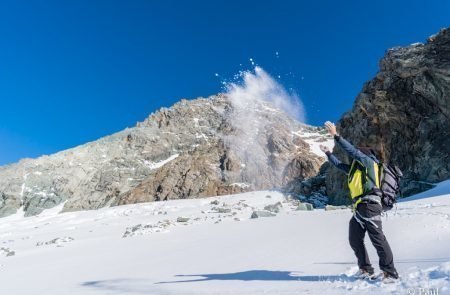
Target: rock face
(213, 167)
(404, 112)
(191, 150)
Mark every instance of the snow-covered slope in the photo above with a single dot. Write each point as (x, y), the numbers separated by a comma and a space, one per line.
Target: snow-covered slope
(315, 137)
(153, 248)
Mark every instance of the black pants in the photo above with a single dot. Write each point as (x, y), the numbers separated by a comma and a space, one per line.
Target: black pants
(357, 232)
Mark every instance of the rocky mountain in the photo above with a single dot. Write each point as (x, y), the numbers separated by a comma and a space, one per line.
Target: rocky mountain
(405, 113)
(197, 148)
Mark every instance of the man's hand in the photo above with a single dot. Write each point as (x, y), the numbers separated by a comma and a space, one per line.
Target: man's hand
(331, 128)
(324, 149)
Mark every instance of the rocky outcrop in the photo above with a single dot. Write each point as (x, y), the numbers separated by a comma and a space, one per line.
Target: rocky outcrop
(194, 149)
(307, 185)
(260, 214)
(404, 112)
(219, 165)
(9, 204)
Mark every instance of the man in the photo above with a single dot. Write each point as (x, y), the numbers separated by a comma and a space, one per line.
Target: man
(364, 185)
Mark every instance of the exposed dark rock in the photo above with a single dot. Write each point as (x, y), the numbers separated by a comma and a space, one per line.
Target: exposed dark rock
(7, 252)
(183, 219)
(259, 214)
(9, 204)
(305, 207)
(315, 185)
(274, 208)
(223, 210)
(404, 112)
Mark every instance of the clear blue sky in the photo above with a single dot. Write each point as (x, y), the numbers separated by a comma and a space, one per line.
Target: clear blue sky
(74, 71)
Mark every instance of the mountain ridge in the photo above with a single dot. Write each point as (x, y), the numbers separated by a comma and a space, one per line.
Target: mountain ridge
(105, 172)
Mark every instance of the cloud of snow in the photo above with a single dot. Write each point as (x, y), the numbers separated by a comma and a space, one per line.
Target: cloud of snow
(254, 98)
(259, 87)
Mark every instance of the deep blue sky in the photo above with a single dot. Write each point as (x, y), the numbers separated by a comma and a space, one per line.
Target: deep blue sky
(74, 71)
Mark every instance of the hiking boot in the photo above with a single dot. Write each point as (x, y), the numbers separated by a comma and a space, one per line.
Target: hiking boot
(364, 273)
(390, 276)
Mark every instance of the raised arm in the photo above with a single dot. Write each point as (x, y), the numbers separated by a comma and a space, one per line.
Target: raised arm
(353, 152)
(336, 162)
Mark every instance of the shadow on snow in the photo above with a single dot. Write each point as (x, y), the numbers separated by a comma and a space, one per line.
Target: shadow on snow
(259, 275)
(145, 285)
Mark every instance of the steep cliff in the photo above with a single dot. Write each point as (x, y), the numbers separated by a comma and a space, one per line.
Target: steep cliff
(404, 112)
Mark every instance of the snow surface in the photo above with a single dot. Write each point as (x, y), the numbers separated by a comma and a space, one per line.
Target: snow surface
(143, 249)
(315, 139)
(441, 189)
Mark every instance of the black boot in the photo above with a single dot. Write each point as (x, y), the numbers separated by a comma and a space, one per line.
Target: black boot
(392, 275)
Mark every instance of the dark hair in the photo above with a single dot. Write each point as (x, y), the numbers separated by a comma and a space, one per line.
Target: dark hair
(369, 151)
